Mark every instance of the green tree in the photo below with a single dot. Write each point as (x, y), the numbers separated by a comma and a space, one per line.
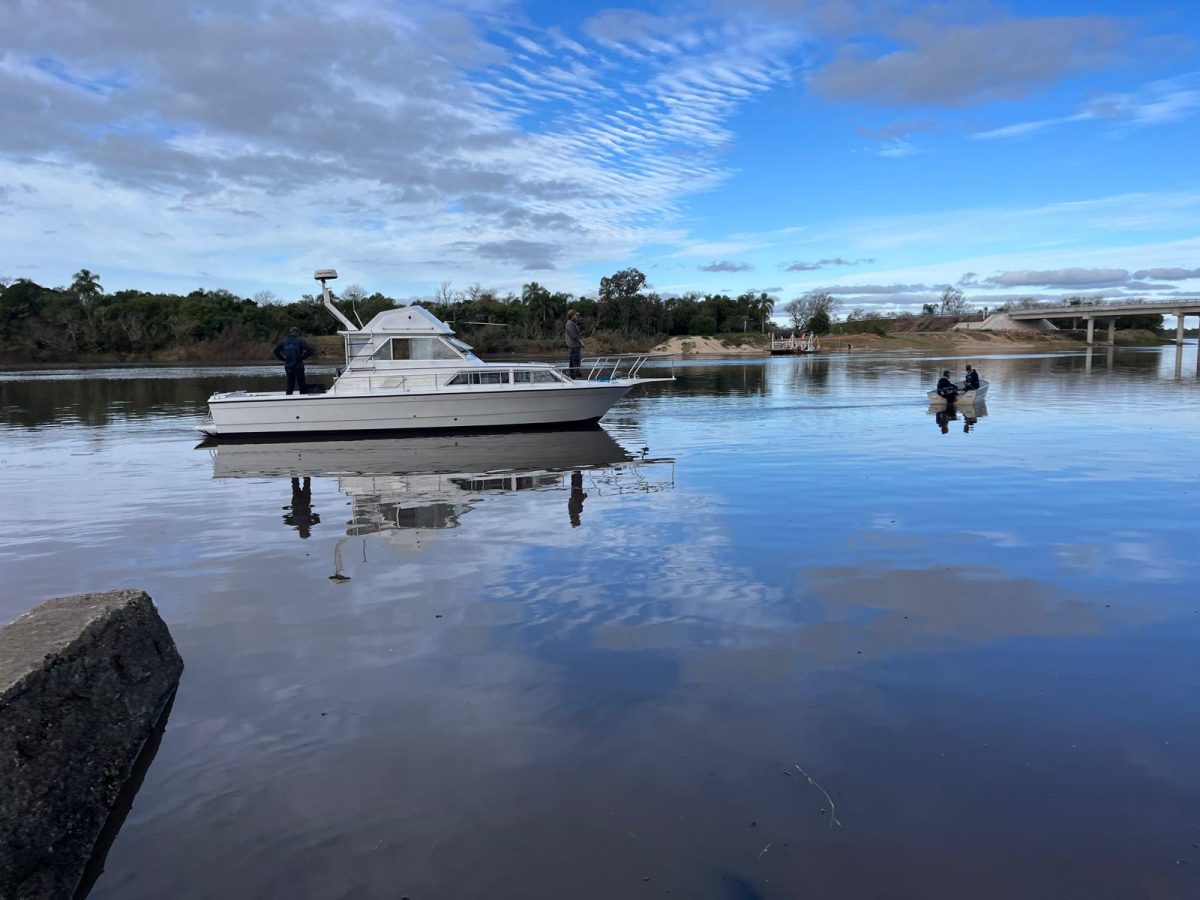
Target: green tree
(619, 296)
(762, 307)
(86, 285)
(820, 322)
(539, 308)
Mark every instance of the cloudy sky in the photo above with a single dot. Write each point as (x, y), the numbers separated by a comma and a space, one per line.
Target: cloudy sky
(881, 149)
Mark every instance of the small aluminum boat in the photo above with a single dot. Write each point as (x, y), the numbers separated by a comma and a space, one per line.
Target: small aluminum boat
(964, 398)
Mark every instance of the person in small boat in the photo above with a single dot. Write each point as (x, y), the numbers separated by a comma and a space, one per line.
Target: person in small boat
(946, 388)
(292, 351)
(574, 343)
(971, 381)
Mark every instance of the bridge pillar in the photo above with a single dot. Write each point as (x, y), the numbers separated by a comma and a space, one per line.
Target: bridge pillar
(1112, 331)
(1179, 329)
(1091, 330)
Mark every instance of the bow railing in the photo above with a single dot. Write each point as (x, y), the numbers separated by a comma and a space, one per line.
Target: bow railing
(621, 366)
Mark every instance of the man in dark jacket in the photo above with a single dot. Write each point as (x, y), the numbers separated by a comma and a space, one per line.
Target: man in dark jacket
(946, 387)
(292, 351)
(971, 382)
(574, 343)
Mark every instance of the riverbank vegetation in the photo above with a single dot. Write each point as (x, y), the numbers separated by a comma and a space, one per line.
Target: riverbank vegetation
(82, 322)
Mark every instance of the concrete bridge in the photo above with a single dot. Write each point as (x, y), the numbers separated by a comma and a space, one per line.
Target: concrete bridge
(1110, 312)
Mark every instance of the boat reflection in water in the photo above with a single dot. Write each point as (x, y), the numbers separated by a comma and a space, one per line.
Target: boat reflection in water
(399, 484)
(969, 415)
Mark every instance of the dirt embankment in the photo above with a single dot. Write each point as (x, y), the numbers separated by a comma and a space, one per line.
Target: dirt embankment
(956, 342)
(975, 341)
(949, 341)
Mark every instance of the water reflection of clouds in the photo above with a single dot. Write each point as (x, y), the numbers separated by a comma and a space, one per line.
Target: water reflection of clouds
(844, 617)
(1128, 556)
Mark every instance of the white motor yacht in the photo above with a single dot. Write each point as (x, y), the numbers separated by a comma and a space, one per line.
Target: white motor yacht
(406, 372)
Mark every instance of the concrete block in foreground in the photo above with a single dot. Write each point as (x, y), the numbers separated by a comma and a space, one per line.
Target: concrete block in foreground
(83, 680)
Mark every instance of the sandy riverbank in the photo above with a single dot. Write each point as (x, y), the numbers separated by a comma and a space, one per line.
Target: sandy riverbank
(692, 345)
(952, 342)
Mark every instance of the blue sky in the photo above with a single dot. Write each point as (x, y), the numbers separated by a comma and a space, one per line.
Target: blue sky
(881, 149)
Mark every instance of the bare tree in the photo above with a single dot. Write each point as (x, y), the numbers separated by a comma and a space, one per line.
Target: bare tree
(264, 297)
(445, 295)
(953, 303)
(815, 305)
(352, 295)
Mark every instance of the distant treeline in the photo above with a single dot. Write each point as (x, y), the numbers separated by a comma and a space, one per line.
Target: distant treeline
(83, 321)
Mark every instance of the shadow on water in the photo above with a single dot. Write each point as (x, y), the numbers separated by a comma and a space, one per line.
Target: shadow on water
(123, 805)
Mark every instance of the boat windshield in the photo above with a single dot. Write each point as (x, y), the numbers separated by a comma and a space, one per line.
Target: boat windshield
(421, 348)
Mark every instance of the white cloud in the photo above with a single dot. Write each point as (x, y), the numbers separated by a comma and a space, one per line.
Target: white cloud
(439, 144)
(1158, 103)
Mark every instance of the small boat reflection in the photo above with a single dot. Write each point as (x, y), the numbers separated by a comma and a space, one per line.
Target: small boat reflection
(431, 482)
(969, 415)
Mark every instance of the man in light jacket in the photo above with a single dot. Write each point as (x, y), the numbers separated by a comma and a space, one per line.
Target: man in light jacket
(574, 344)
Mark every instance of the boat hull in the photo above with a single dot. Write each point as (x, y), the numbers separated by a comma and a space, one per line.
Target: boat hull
(313, 415)
(964, 398)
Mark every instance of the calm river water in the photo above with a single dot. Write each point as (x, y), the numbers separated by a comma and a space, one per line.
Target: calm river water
(607, 663)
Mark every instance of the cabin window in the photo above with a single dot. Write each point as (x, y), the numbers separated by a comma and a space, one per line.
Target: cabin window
(479, 378)
(536, 376)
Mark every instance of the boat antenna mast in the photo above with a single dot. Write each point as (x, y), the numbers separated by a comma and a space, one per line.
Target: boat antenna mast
(323, 276)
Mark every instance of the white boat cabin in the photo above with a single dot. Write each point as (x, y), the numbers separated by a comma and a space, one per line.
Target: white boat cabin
(411, 349)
